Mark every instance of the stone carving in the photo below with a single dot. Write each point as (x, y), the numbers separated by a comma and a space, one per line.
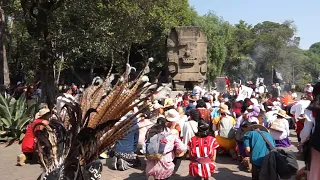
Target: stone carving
(187, 56)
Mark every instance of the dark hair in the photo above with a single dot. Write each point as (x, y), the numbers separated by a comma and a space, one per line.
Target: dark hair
(157, 128)
(201, 104)
(68, 88)
(205, 99)
(203, 129)
(195, 115)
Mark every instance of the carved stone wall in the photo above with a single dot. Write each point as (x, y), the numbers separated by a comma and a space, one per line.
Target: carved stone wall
(187, 56)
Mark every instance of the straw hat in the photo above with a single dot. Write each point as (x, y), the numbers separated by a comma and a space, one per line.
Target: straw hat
(283, 114)
(172, 115)
(42, 112)
(255, 126)
(224, 109)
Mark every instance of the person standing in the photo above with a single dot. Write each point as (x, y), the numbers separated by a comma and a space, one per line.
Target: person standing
(311, 131)
(274, 91)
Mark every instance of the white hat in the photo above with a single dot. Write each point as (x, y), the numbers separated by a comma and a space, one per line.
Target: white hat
(254, 101)
(172, 115)
(156, 105)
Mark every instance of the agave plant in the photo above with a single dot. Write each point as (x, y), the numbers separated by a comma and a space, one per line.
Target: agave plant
(14, 117)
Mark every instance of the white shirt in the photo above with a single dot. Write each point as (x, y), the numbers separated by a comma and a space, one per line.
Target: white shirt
(183, 119)
(308, 89)
(294, 95)
(261, 89)
(270, 115)
(189, 130)
(197, 90)
(279, 89)
(281, 135)
(299, 108)
(308, 126)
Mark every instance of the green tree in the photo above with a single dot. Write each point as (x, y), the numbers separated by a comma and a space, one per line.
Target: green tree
(219, 34)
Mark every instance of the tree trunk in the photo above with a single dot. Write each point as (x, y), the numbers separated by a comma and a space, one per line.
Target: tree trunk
(47, 77)
(4, 70)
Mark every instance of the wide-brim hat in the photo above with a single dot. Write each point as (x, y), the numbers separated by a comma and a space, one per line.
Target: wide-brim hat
(283, 114)
(255, 126)
(42, 112)
(224, 109)
(172, 115)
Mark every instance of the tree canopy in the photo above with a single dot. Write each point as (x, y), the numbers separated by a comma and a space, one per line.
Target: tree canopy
(78, 36)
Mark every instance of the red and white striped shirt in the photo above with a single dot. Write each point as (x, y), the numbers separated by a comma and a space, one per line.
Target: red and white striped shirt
(201, 150)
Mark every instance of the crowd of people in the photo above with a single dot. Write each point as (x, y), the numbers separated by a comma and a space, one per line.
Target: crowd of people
(200, 125)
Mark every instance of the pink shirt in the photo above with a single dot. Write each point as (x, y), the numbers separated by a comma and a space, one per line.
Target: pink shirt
(144, 125)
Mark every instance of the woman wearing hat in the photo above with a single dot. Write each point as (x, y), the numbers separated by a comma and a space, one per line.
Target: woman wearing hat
(173, 118)
(225, 125)
(279, 129)
(28, 141)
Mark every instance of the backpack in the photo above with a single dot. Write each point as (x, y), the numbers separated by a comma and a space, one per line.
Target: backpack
(226, 128)
(155, 147)
(283, 163)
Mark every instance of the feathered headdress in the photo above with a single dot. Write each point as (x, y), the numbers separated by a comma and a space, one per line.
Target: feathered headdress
(91, 126)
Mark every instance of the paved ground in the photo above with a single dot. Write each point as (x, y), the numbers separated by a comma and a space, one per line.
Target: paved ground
(227, 168)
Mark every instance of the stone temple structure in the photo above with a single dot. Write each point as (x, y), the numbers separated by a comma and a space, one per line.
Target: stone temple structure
(187, 57)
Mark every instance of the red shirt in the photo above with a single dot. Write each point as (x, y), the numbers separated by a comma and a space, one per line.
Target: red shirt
(202, 148)
(299, 126)
(29, 139)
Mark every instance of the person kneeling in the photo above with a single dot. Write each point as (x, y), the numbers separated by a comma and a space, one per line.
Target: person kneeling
(29, 139)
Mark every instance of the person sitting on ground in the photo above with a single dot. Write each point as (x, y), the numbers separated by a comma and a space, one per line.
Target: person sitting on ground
(163, 167)
(256, 147)
(190, 128)
(202, 152)
(144, 125)
(172, 123)
(124, 154)
(29, 139)
(225, 133)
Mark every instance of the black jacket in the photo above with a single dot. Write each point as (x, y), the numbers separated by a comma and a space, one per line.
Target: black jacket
(279, 164)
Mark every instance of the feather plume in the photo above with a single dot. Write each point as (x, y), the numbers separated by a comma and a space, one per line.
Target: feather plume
(92, 125)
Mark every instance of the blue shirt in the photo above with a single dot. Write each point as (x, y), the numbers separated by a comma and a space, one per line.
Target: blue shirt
(128, 144)
(258, 147)
(215, 112)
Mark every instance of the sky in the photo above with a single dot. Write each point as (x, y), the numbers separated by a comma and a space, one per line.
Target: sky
(304, 13)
